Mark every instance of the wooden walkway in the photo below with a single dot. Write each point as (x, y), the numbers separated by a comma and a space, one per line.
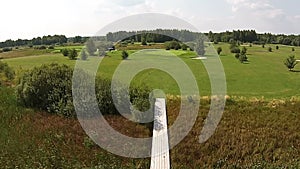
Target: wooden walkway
(160, 158)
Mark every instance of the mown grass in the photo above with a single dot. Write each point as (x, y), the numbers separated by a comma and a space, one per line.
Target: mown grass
(264, 75)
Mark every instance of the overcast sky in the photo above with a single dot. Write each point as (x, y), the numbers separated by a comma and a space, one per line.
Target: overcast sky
(32, 18)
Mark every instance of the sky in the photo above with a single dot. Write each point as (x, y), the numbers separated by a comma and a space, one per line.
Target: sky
(26, 19)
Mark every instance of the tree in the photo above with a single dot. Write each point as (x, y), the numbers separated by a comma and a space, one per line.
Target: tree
(65, 52)
(172, 45)
(219, 50)
(184, 47)
(73, 54)
(290, 62)
(124, 55)
(144, 40)
(244, 50)
(83, 55)
(91, 48)
(243, 58)
(77, 39)
(200, 48)
(234, 47)
(270, 49)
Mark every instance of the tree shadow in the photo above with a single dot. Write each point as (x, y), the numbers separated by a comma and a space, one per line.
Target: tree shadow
(295, 71)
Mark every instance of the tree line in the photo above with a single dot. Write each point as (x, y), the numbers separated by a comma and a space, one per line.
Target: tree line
(45, 40)
(163, 35)
(242, 36)
(155, 36)
(250, 36)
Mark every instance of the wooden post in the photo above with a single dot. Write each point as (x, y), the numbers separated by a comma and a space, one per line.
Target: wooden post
(160, 158)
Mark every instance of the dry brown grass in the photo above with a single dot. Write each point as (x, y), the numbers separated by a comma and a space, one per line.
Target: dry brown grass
(250, 134)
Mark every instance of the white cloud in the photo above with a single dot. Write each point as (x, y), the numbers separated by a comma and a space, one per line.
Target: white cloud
(31, 18)
(261, 15)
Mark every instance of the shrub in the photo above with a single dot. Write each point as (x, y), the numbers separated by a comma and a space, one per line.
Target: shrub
(144, 41)
(73, 54)
(124, 55)
(65, 52)
(90, 47)
(244, 50)
(250, 45)
(83, 55)
(51, 47)
(168, 48)
(290, 62)
(237, 55)
(184, 47)
(6, 73)
(7, 49)
(293, 49)
(49, 88)
(200, 47)
(41, 47)
(243, 58)
(277, 47)
(263, 46)
(235, 50)
(172, 45)
(270, 49)
(219, 50)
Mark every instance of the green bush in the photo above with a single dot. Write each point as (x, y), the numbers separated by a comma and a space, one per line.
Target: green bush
(243, 58)
(83, 55)
(235, 50)
(219, 50)
(51, 47)
(73, 54)
(40, 47)
(290, 62)
(7, 49)
(270, 49)
(6, 73)
(124, 55)
(184, 47)
(65, 52)
(49, 88)
(172, 45)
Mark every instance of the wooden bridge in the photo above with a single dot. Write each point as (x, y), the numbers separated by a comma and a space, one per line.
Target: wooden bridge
(160, 158)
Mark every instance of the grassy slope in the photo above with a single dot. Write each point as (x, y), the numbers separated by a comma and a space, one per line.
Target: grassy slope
(264, 76)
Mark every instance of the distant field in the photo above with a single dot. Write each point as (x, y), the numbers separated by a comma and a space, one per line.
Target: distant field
(264, 76)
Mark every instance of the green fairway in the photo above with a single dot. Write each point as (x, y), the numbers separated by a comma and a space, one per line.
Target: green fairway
(264, 76)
